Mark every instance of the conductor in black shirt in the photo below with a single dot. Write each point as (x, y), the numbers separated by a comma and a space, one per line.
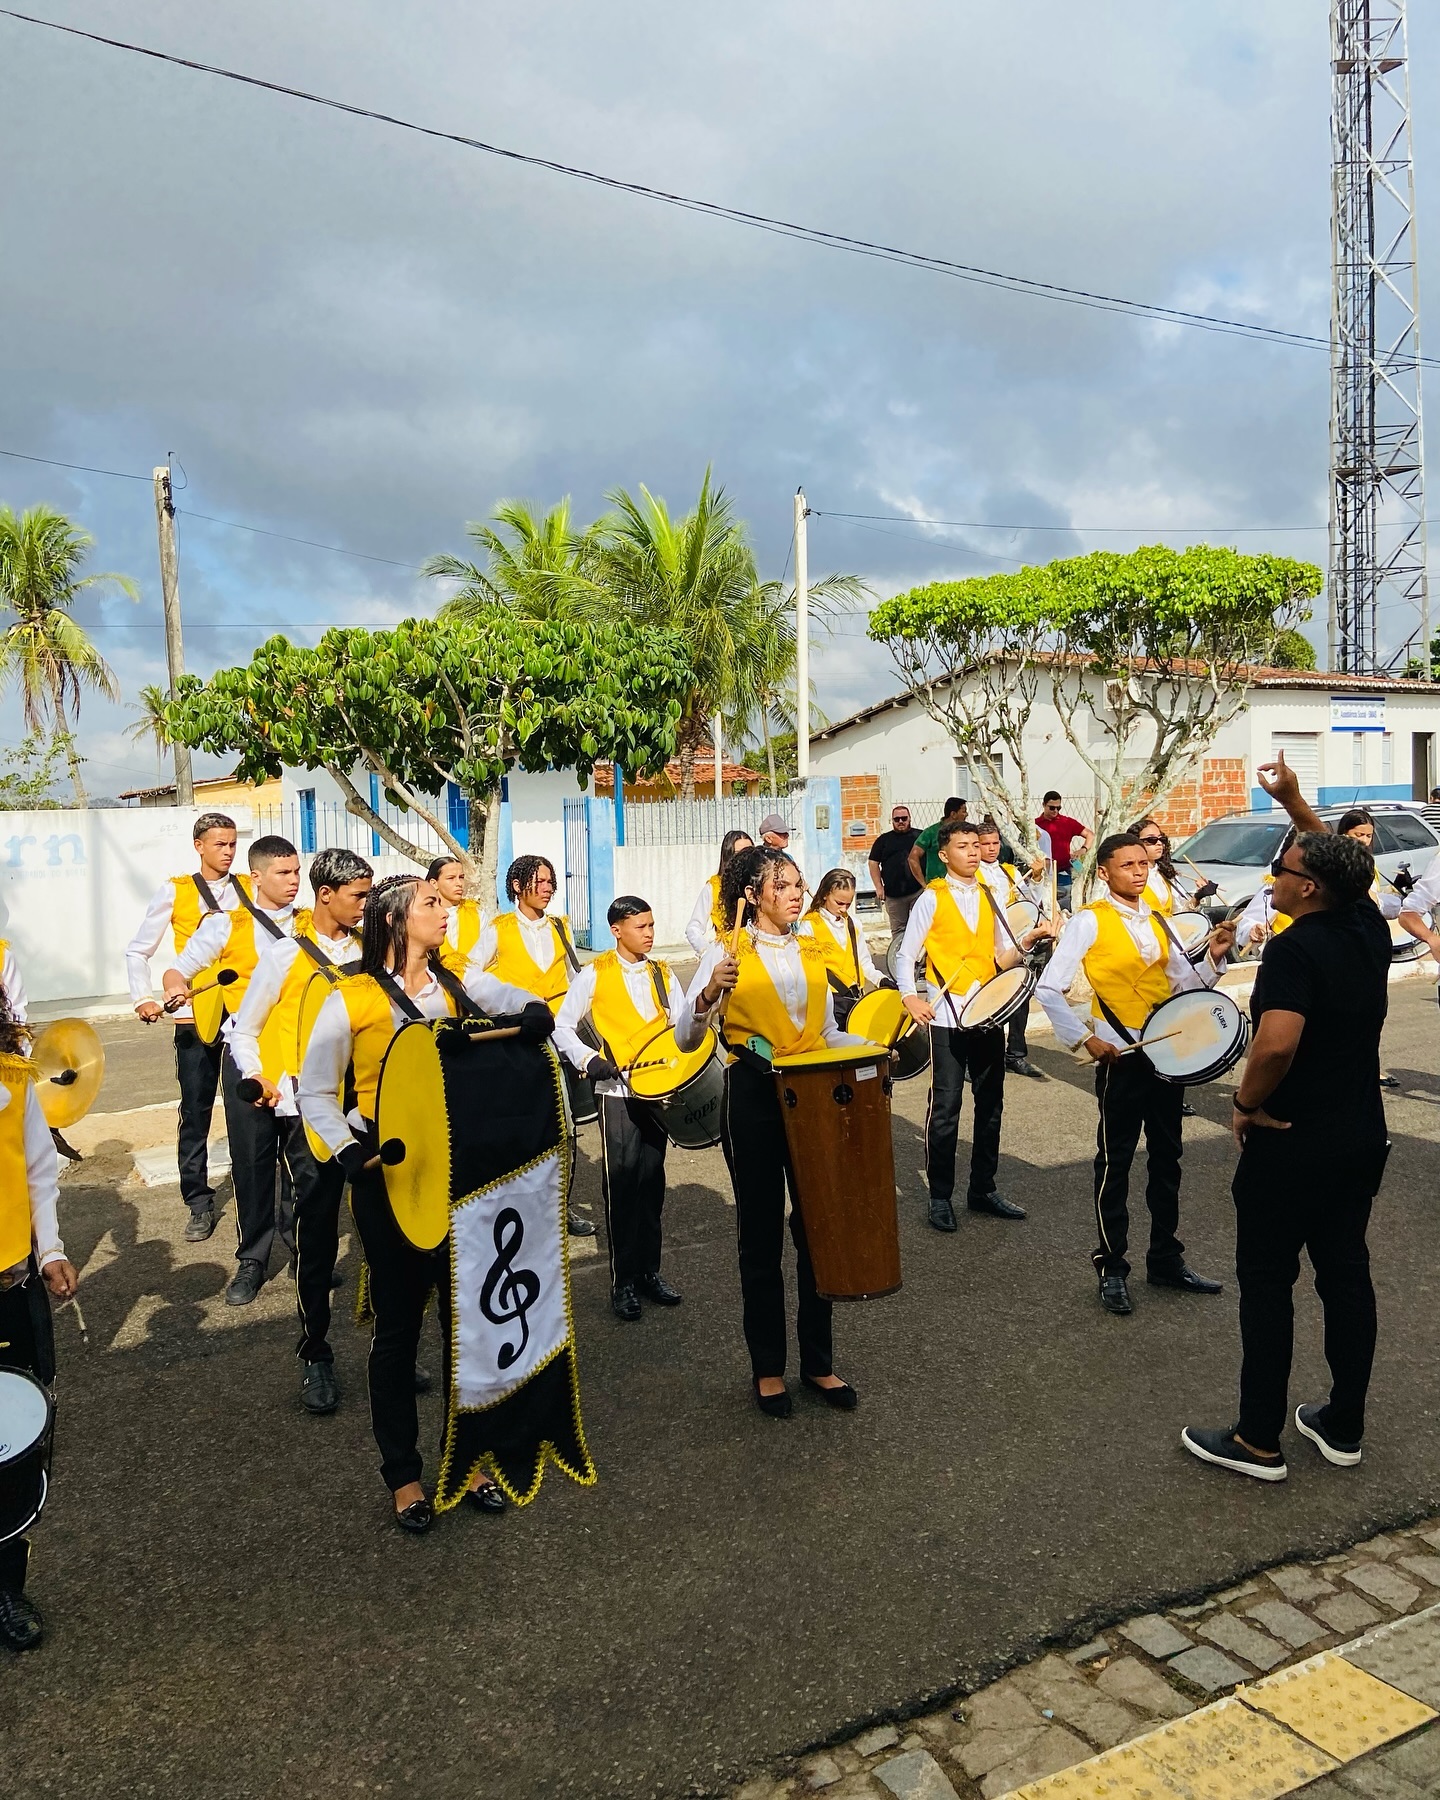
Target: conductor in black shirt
(1310, 1123)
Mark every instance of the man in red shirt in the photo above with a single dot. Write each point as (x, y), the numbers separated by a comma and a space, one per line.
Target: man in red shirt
(1060, 829)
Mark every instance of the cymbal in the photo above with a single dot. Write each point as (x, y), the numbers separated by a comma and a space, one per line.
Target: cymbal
(69, 1060)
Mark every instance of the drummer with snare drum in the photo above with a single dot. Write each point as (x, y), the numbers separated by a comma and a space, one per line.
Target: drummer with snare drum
(960, 930)
(629, 999)
(1133, 964)
(1011, 888)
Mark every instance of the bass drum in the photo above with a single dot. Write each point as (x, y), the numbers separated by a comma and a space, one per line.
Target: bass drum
(879, 1017)
(836, 1108)
(208, 1006)
(1195, 1037)
(316, 991)
(27, 1423)
(685, 1087)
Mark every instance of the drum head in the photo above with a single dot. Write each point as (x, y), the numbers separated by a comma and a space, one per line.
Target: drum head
(410, 1106)
(1194, 1037)
(1023, 916)
(662, 1066)
(24, 1414)
(877, 1016)
(995, 1000)
(316, 991)
(1191, 928)
(209, 1007)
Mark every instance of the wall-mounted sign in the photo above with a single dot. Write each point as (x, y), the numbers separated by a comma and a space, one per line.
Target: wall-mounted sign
(1357, 712)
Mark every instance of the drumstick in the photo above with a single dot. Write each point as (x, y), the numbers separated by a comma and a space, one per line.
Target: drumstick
(910, 1020)
(1081, 1053)
(733, 952)
(223, 979)
(1219, 891)
(80, 1320)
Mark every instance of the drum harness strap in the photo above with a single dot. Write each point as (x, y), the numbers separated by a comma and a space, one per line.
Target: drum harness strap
(331, 971)
(207, 893)
(844, 987)
(255, 913)
(565, 945)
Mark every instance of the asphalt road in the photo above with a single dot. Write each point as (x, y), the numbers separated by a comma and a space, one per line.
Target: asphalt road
(231, 1614)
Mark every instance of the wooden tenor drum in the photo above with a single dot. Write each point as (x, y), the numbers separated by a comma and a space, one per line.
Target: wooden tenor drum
(836, 1108)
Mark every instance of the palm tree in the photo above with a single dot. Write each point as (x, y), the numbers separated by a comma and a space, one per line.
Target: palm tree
(151, 724)
(44, 650)
(529, 562)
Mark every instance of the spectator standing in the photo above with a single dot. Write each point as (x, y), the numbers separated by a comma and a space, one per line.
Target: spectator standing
(895, 885)
(1061, 831)
(925, 862)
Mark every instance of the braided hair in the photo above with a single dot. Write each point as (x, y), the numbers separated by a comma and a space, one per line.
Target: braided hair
(754, 868)
(521, 876)
(384, 926)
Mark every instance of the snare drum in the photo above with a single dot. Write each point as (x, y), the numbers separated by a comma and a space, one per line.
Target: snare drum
(836, 1108)
(684, 1087)
(1023, 916)
(999, 999)
(1190, 929)
(1195, 1037)
(27, 1421)
(879, 1017)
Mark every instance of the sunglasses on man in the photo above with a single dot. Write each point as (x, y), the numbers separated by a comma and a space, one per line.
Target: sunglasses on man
(1280, 867)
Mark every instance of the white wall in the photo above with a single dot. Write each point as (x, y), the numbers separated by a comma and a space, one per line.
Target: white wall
(669, 876)
(74, 887)
(537, 820)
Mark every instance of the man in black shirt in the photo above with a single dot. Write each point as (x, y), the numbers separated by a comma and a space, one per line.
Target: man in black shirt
(895, 886)
(1310, 1123)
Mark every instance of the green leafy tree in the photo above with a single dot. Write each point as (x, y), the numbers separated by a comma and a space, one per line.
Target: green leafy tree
(151, 724)
(531, 562)
(1293, 650)
(433, 701)
(42, 649)
(1144, 656)
(28, 772)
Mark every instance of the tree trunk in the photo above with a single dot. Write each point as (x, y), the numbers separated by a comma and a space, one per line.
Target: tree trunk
(355, 803)
(688, 734)
(769, 748)
(73, 760)
(481, 877)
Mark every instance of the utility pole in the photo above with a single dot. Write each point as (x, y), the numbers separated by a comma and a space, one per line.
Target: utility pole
(170, 594)
(717, 733)
(802, 641)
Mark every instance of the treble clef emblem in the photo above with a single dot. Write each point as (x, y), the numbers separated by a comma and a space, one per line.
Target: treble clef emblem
(507, 1292)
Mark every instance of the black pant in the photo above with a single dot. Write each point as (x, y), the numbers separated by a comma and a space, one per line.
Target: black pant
(401, 1281)
(954, 1055)
(1286, 1201)
(1133, 1098)
(632, 1179)
(27, 1341)
(752, 1134)
(259, 1141)
(197, 1069)
(318, 1188)
(1015, 1044)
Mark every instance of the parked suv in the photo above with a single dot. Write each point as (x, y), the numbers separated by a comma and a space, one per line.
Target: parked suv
(1236, 851)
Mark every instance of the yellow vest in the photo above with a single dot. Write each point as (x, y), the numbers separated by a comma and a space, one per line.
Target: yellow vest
(756, 1009)
(953, 949)
(242, 952)
(1278, 921)
(371, 1029)
(467, 934)
(512, 962)
(16, 1074)
(185, 913)
(279, 1040)
(842, 958)
(1159, 893)
(1119, 975)
(1012, 890)
(616, 1017)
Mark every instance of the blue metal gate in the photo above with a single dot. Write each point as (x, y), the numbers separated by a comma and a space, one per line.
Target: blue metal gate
(577, 870)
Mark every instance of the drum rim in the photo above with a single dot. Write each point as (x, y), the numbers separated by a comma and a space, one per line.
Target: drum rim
(853, 1059)
(1224, 1062)
(46, 1429)
(668, 1030)
(20, 1530)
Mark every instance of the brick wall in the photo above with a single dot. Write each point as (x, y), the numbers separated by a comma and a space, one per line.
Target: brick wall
(1220, 786)
(860, 800)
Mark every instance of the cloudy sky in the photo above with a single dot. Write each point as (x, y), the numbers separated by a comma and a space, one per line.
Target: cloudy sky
(352, 334)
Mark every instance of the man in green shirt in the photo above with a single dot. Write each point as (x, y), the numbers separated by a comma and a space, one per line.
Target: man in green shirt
(925, 863)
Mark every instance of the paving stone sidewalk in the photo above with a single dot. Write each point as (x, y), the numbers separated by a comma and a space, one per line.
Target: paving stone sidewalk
(1055, 1713)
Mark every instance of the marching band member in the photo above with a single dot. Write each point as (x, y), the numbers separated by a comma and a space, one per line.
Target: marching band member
(462, 927)
(779, 999)
(234, 939)
(629, 999)
(831, 924)
(1009, 886)
(176, 912)
(265, 1047)
(33, 1268)
(1164, 891)
(400, 978)
(1132, 964)
(957, 928)
(707, 925)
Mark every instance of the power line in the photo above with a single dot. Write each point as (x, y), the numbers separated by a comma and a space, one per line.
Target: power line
(80, 468)
(834, 240)
(259, 531)
(1092, 530)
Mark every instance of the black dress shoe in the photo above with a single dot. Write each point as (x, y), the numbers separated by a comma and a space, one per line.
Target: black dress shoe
(658, 1289)
(1184, 1278)
(997, 1206)
(21, 1626)
(486, 1498)
(1022, 1065)
(423, 1381)
(842, 1398)
(1389, 1081)
(199, 1225)
(418, 1516)
(942, 1215)
(774, 1406)
(248, 1280)
(1187, 1111)
(1114, 1295)
(319, 1390)
(578, 1225)
(625, 1303)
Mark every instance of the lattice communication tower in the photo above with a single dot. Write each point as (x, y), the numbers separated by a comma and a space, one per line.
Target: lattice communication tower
(1379, 594)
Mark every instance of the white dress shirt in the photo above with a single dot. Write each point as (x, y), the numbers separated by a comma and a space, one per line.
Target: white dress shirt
(42, 1177)
(213, 933)
(539, 936)
(822, 919)
(158, 920)
(969, 897)
(639, 985)
(785, 967)
(700, 931)
(1078, 938)
(332, 1043)
(276, 961)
